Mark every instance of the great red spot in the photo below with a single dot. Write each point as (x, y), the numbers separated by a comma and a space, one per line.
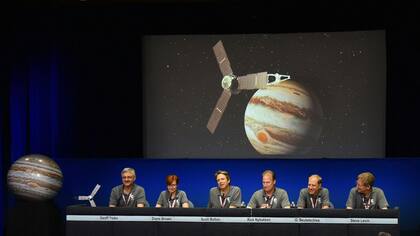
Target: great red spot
(262, 136)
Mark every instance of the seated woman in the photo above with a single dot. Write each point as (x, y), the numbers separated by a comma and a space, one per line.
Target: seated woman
(172, 198)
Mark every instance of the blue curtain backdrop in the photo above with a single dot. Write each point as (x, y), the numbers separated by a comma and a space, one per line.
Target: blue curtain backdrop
(27, 115)
(4, 94)
(33, 98)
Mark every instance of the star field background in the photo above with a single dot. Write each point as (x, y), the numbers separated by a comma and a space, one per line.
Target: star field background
(181, 83)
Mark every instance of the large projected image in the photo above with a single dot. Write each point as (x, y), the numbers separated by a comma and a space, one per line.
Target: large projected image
(301, 95)
(277, 117)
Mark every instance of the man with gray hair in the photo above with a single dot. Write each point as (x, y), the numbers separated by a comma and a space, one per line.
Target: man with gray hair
(315, 196)
(128, 194)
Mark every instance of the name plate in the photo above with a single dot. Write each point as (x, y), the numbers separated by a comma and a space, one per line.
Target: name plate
(248, 220)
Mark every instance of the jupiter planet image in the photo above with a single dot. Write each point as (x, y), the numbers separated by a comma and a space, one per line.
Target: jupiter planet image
(35, 177)
(283, 119)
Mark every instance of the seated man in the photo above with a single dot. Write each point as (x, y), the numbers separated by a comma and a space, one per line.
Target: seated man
(128, 194)
(365, 196)
(270, 196)
(315, 196)
(224, 195)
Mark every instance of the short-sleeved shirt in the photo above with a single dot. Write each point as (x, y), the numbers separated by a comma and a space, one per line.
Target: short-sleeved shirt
(317, 201)
(217, 200)
(136, 196)
(179, 199)
(376, 199)
(279, 199)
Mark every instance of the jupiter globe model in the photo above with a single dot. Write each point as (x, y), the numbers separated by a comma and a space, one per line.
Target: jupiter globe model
(35, 177)
(283, 119)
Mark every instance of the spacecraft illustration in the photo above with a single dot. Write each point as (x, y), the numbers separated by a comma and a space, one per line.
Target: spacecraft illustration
(90, 197)
(233, 84)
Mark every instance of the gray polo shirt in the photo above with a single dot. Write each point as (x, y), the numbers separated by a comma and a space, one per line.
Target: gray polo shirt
(307, 201)
(165, 202)
(233, 198)
(376, 200)
(279, 199)
(136, 196)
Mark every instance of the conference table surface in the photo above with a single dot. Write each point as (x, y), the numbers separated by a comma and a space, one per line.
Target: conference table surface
(81, 221)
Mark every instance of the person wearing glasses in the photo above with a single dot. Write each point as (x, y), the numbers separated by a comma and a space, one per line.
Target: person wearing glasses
(172, 197)
(128, 194)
